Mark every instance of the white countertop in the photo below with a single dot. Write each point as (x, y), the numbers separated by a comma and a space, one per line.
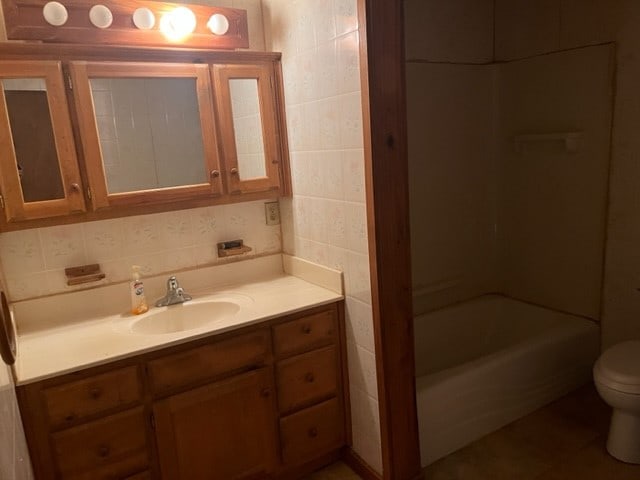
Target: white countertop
(58, 347)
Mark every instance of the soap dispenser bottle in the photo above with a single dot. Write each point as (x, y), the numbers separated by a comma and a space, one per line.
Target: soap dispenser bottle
(138, 300)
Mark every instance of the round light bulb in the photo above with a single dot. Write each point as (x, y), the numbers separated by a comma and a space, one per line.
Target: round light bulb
(100, 16)
(218, 24)
(144, 19)
(178, 23)
(55, 14)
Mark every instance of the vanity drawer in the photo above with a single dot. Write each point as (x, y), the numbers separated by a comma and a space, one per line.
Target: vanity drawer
(76, 400)
(208, 361)
(113, 447)
(311, 432)
(305, 333)
(306, 378)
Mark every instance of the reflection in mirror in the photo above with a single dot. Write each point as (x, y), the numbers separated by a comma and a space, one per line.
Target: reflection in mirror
(33, 140)
(247, 124)
(150, 132)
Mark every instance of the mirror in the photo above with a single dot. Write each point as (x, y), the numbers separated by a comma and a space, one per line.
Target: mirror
(33, 140)
(150, 132)
(247, 125)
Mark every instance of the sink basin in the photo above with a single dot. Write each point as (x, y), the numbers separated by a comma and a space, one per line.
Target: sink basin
(185, 316)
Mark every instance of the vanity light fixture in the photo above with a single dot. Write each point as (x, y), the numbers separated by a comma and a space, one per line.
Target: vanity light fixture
(144, 19)
(178, 23)
(55, 14)
(100, 16)
(218, 24)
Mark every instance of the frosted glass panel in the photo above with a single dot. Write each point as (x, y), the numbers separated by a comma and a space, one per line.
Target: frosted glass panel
(247, 124)
(150, 132)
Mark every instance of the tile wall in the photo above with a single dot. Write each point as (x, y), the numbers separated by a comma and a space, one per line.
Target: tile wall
(326, 222)
(14, 456)
(34, 260)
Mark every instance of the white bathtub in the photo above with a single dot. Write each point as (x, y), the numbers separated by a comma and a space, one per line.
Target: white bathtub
(483, 363)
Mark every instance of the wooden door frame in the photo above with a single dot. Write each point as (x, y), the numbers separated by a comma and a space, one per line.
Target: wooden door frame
(387, 185)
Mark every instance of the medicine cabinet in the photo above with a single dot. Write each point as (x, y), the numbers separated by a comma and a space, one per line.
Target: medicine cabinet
(100, 132)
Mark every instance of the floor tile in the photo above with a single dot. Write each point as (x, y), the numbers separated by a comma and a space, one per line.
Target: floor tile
(335, 471)
(562, 441)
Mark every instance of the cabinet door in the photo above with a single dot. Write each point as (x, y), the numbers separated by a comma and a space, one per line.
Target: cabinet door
(148, 132)
(222, 431)
(246, 102)
(39, 175)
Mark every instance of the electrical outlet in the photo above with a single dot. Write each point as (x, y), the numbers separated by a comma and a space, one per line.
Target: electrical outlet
(272, 213)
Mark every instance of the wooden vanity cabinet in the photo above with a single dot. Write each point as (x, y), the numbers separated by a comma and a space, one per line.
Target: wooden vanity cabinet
(39, 173)
(266, 401)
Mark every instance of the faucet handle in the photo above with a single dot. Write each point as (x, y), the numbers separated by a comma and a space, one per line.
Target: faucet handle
(172, 283)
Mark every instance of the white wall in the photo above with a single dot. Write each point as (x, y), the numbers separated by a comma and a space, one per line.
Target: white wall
(452, 166)
(580, 22)
(552, 203)
(326, 220)
(14, 456)
(453, 182)
(458, 31)
(546, 245)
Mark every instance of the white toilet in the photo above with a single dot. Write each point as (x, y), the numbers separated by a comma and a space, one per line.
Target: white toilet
(617, 378)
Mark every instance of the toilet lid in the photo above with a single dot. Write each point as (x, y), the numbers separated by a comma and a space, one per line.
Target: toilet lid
(620, 364)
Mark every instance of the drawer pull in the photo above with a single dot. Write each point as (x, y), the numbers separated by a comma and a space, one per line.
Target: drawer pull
(95, 393)
(265, 392)
(306, 329)
(313, 432)
(103, 451)
(70, 418)
(309, 377)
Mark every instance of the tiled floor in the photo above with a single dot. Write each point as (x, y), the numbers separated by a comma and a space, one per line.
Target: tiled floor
(337, 471)
(562, 441)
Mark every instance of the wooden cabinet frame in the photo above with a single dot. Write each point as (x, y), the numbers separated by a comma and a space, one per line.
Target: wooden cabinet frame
(14, 203)
(83, 72)
(89, 176)
(265, 76)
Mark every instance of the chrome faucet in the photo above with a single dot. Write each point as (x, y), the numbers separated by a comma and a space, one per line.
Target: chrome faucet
(175, 294)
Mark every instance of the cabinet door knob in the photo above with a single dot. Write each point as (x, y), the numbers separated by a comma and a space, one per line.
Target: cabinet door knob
(75, 187)
(313, 432)
(309, 377)
(265, 392)
(306, 329)
(70, 417)
(215, 173)
(103, 451)
(95, 393)
(234, 171)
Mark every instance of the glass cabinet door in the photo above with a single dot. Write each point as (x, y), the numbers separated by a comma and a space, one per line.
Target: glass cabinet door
(147, 131)
(245, 98)
(39, 175)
